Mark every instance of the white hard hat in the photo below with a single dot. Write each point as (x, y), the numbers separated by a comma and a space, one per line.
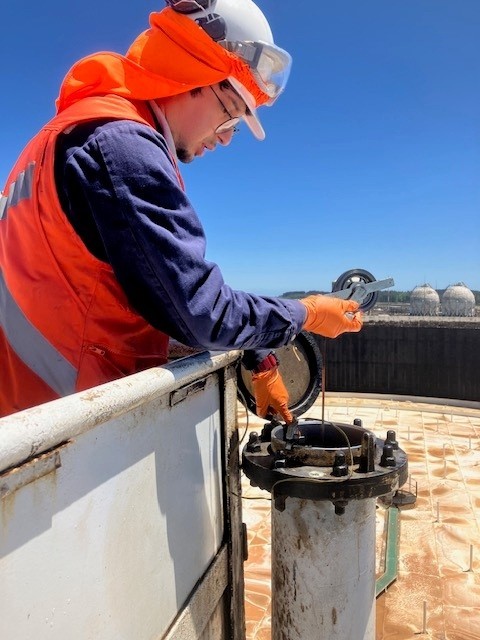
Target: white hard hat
(240, 27)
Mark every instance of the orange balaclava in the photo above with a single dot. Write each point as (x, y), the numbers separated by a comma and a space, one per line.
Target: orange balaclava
(174, 56)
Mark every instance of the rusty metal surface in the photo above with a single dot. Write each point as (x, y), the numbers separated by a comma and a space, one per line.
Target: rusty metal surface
(235, 605)
(37, 467)
(204, 614)
(323, 571)
(285, 476)
(322, 442)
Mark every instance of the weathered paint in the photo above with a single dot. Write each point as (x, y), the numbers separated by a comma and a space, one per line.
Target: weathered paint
(323, 571)
(30, 432)
(118, 522)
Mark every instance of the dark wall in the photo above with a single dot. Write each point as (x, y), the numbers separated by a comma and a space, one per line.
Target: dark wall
(420, 358)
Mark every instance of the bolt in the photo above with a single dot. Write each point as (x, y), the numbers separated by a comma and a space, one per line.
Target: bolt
(253, 444)
(387, 459)
(340, 467)
(392, 438)
(340, 506)
(266, 434)
(358, 422)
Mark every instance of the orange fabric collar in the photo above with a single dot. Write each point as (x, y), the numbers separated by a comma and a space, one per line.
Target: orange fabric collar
(174, 56)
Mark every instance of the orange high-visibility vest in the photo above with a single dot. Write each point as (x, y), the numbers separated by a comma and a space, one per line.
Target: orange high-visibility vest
(65, 323)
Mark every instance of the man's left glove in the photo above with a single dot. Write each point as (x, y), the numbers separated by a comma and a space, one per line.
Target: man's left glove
(271, 395)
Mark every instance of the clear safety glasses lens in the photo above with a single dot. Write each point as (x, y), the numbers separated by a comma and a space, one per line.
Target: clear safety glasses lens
(229, 125)
(269, 64)
(232, 121)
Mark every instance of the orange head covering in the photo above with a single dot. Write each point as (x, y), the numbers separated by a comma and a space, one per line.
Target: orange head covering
(174, 56)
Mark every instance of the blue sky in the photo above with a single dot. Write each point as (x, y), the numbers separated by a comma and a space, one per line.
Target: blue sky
(372, 155)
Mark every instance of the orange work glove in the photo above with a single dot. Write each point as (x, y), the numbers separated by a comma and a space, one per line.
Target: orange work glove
(271, 395)
(328, 317)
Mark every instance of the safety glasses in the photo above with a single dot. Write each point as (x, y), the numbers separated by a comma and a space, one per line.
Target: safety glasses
(231, 123)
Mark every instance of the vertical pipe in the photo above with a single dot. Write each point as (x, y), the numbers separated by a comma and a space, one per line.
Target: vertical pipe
(323, 571)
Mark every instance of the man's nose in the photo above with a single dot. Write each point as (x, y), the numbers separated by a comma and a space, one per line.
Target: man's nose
(225, 137)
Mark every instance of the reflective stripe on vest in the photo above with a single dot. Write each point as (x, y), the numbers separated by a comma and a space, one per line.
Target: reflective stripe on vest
(32, 348)
(19, 190)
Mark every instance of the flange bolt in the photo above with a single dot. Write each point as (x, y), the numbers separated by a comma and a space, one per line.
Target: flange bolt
(340, 467)
(253, 444)
(392, 438)
(340, 506)
(387, 459)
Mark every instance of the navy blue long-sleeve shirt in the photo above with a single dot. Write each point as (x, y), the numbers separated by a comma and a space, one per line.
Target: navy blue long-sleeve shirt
(118, 187)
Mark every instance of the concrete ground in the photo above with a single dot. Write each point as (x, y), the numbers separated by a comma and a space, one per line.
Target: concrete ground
(437, 591)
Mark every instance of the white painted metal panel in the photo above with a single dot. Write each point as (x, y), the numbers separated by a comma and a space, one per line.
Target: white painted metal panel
(107, 535)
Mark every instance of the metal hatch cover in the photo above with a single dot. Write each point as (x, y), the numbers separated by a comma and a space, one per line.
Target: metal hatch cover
(301, 370)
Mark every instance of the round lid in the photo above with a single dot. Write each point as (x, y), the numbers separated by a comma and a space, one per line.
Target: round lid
(301, 370)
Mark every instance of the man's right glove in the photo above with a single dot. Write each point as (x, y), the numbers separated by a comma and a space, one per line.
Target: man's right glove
(271, 395)
(328, 317)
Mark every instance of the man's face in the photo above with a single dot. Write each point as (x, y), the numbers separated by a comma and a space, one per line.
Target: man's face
(196, 119)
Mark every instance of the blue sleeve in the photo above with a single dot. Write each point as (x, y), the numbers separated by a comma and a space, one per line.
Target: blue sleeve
(119, 189)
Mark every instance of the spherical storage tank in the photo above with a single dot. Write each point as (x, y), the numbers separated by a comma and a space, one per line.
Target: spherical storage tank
(424, 301)
(458, 300)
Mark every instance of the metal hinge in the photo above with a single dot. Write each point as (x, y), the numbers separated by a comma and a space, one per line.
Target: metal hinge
(180, 394)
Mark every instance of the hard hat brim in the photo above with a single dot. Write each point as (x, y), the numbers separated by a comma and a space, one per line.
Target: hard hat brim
(251, 119)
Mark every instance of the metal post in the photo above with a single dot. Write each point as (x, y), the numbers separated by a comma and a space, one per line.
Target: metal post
(323, 571)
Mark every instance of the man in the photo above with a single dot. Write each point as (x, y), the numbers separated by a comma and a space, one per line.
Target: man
(102, 257)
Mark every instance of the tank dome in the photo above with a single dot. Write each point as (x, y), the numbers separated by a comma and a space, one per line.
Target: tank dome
(458, 300)
(424, 301)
